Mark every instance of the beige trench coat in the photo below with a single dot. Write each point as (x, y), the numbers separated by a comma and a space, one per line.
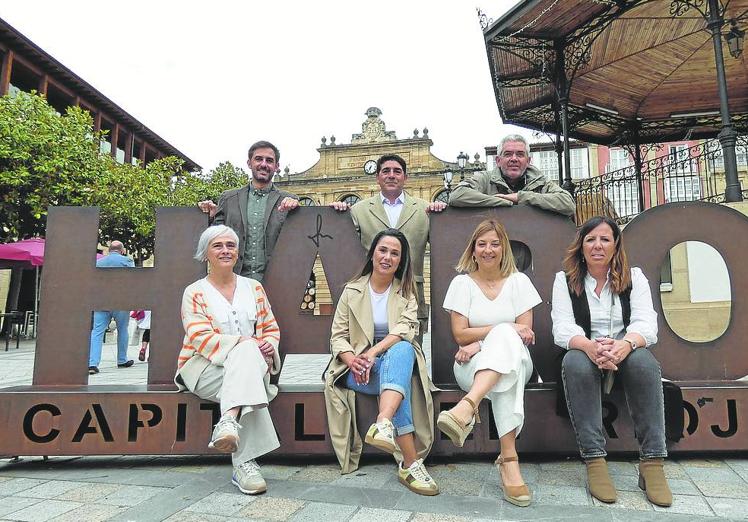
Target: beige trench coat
(353, 331)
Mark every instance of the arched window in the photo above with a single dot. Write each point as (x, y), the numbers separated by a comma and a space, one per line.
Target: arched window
(306, 202)
(442, 196)
(351, 199)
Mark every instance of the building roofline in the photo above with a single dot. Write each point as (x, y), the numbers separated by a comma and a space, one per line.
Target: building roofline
(52, 66)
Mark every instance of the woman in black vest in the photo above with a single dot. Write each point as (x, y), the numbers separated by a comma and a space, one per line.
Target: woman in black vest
(603, 315)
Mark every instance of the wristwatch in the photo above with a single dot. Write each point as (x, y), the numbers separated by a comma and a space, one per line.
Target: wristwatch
(633, 344)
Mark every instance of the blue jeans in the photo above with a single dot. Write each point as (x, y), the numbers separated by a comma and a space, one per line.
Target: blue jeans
(391, 371)
(642, 383)
(100, 322)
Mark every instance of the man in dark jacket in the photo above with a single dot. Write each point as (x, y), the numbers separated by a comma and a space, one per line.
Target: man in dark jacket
(256, 211)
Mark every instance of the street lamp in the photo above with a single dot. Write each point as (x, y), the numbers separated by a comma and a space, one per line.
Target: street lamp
(461, 162)
(735, 39)
(448, 181)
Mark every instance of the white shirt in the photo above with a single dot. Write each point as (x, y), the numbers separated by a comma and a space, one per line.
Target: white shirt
(393, 208)
(643, 317)
(379, 311)
(238, 316)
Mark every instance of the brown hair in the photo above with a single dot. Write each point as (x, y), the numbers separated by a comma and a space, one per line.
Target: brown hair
(404, 270)
(575, 267)
(467, 262)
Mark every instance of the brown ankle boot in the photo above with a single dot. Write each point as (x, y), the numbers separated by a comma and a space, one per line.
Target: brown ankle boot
(652, 480)
(598, 480)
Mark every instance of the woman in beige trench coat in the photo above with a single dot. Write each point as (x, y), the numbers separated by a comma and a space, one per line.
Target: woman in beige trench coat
(373, 352)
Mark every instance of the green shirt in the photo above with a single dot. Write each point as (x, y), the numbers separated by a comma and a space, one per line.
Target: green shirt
(253, 264)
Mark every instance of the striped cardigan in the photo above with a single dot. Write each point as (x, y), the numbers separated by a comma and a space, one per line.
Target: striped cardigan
(204, 344)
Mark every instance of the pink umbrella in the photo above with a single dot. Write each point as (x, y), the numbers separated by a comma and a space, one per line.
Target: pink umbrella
(29, 250)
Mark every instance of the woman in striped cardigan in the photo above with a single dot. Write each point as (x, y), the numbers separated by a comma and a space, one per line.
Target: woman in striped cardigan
(229, 351)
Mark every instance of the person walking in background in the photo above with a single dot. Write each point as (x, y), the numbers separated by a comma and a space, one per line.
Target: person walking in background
(114, 259)
(144, 323)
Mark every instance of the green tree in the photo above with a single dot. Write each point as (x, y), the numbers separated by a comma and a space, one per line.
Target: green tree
(45, 159)
(128, 196)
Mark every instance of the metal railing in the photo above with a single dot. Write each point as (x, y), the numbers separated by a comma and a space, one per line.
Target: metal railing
(683, 174)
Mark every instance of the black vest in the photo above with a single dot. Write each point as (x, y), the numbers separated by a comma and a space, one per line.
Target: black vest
(672, 393)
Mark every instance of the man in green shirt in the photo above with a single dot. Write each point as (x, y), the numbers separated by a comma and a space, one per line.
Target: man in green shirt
(256, 211)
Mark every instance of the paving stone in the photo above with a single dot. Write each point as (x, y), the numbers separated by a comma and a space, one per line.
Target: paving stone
(621, 468)
(324, 511)
(565, 465)
(563, 478)
(723, 489)
(381, 515)
(10, 504)
(448, 505)
(270, 508)
(51, 489)
(561, 495)
(130, 495)
(279, 472)
(674, 470)
(17, 485)
(44, 510)
(90, 513)
(627, 500)
(437, 517)
(222, 503)
(702, 463)
(89, 492)
(724, 474)
(319, 473)
(728, 507)
(687, 504)
(186, 516)
(623, 482)
(363, 478)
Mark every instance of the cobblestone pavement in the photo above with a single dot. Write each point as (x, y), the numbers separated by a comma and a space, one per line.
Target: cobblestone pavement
(186, 489)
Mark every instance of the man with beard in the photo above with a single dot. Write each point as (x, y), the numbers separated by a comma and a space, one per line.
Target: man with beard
(256, 211)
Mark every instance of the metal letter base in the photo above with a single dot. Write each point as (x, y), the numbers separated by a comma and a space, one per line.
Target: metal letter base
(59, 414)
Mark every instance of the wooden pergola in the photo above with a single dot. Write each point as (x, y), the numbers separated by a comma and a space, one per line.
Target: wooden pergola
(623, 72)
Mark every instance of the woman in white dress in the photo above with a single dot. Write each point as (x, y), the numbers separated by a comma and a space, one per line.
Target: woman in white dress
(490, 305)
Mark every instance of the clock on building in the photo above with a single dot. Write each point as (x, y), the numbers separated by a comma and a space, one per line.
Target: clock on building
(370, 167)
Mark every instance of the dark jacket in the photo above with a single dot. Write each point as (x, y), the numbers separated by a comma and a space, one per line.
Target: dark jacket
(232, 212)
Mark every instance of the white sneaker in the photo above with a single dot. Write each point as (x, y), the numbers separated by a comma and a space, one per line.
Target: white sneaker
(226, 434)
(382, 435)
(417, 479)
(248, 479)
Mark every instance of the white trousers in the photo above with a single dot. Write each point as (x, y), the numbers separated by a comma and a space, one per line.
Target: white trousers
(240, 381)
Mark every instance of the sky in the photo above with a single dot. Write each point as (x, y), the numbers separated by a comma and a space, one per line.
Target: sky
(212, 77)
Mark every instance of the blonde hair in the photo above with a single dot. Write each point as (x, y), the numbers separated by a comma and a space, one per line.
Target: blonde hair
(467, 262)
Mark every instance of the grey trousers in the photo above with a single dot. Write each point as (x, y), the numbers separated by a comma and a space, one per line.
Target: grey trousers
(239, 382)
(642, 383)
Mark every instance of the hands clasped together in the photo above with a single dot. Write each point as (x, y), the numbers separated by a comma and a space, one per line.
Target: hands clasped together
(607, 353)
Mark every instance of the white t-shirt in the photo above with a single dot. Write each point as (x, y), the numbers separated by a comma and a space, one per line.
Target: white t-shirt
(237, 317)
(379, 310)
(517, 296)
(643, 316)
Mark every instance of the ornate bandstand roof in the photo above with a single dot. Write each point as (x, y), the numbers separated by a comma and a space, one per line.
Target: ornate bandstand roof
(633, 66)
